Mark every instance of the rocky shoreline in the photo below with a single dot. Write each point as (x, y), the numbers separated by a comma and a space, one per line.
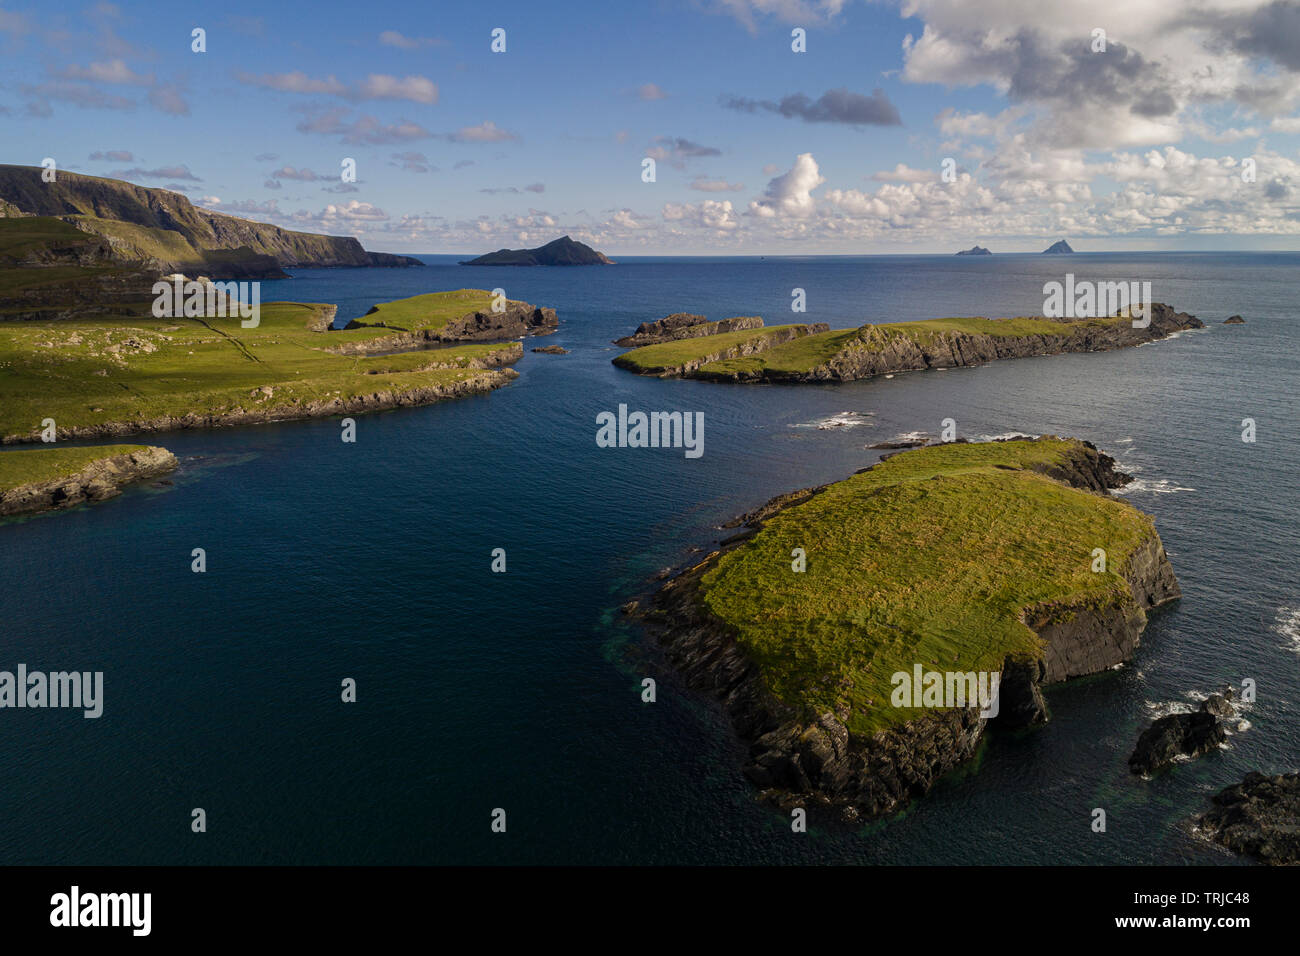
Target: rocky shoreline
(1257, 817)
(485, 381)
(878, 352)
(101, 479)
(518, 320)
(685, 325)
(798, 761)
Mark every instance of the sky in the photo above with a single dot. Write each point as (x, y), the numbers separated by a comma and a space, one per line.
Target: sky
(920, 126)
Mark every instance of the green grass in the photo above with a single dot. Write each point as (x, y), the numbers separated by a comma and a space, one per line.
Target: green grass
(26, 465)
(804, 354)
(650, 359)
(927, 558)
(429, 312)
(67, 371)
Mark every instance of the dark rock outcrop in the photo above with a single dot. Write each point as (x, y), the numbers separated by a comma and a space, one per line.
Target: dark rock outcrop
(685, 325)
(102, 478)
(559, 252)
(975, 251)
(1057, 248)
(1174, 736)
(1234, 320)
(552, 350)
(1259, 817)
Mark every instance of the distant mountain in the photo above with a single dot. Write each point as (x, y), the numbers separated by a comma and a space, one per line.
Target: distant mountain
(1057, 248)
(164, 232)
(561, 252)
(975, 251)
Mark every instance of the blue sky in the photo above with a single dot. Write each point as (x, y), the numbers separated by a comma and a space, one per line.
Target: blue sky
(758, 149)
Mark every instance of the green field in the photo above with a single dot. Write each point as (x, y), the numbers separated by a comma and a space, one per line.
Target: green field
(129, 369)
(23, 466)
(927, 558)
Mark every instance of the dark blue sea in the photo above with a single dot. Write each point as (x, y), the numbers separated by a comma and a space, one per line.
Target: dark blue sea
(521, 690)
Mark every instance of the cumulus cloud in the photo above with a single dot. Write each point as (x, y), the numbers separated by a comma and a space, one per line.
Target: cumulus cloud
(361, 129)
(705, 185)
(1161, 63)
(833, 106)
(650, 91)
(402, 42)
(162, 172)
(413, 162)
(790, 194)
(109, 71)
(376, 86)
(486, 132)
(708, 214)
(114, 155)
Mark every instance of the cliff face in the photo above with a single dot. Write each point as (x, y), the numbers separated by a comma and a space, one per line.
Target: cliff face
(802, 762)
(684, 325)
(171, 233)
(879, 352)
(759, 343)
(96, 481)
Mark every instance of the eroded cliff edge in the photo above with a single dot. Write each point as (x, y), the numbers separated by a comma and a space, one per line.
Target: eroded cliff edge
(95, 480)
(807, 753)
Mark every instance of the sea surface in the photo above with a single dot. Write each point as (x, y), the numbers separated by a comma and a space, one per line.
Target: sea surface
(521, 691)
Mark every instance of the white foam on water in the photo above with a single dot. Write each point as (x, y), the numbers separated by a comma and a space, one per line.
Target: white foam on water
(1288, 625)
(842, 420)
(1154, 486)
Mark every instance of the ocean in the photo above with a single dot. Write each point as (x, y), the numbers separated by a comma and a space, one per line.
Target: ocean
(522, 690)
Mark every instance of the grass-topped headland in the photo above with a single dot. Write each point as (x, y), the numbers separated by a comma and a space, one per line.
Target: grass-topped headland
(957, 558)
(875, 349)
(42, 479)
(121, 375)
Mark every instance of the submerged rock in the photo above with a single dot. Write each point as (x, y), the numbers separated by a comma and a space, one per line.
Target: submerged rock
(1234, 320)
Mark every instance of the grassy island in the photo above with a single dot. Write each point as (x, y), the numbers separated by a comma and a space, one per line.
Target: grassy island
(930, 557)
(798, 353)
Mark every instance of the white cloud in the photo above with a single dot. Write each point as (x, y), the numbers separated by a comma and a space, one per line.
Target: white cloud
(790, 194)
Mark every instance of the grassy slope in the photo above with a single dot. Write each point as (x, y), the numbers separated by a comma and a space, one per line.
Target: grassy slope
(49, 369)
(431, 311)
(805, 354)
(654, 358)
(927, 558)
(25, 465)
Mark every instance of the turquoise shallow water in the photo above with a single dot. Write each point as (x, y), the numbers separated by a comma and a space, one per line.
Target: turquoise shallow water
(480, 690)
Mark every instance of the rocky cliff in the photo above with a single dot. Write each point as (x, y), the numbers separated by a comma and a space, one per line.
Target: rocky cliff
(685, 325)
(102, 478)
(169, 233)
(879, 350)
(797, 761)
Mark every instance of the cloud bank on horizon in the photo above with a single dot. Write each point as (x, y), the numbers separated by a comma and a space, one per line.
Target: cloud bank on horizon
(827, 126)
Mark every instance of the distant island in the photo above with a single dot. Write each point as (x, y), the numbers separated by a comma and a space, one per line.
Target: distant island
(1060, 247)
(975, 251)
(157, 231)
(559, 252)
